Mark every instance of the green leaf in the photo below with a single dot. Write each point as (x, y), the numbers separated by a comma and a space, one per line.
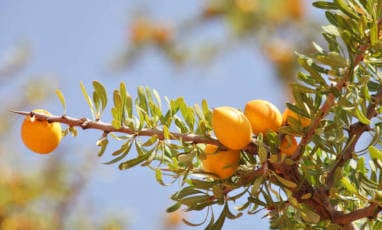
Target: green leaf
(332, 30)
(301, 89)
(367, 183)
(186, 191)
(375, 154)
(285, 182)
(198, 111)
(219, 222)
(142, 100)
(158, 177)
(207, 112)
(61, 97)
(333, 59)
(325, 5)
(361, 116)
(152, 140)
(174, 207)
(190, 201)
(121, 152)
(100, 91)
(88, 99)
(181, 125)
(344, 6)
(102, 142)
(97, 104)
(126, 100)
(255, 191)
(133, 162)
(313, 69)
(263, 153)
(348, 185)
(187, 113)
(73, 131)
(186, 158)
(202, 184)
(308, 215)
(297, 110)
(157, 98)
(374, 33)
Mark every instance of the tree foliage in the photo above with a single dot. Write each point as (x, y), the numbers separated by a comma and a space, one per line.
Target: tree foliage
(331, 181)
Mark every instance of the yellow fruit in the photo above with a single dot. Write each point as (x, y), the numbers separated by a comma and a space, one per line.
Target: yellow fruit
(140, 31)
(40, 136)
(231, 127)
(263, 116)
(305, 122)
(173, 219)
(288, 145)
(222, 163)
(295, 8)
(162, 34)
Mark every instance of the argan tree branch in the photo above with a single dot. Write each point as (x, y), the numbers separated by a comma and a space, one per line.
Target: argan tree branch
(86, 123)
(367, 212)
(355, 132)
(330, 101)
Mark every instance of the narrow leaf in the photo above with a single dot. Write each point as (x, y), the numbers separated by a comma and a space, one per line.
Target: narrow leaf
(87, 98)
(375, 154)
(102, 143)
(133, 162)
(285, 182)
(348, 185)
(61, 97)
(174, 207)
(101, 93)
(361, 116)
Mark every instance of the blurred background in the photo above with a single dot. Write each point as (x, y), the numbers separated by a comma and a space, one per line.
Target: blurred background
(225, 51)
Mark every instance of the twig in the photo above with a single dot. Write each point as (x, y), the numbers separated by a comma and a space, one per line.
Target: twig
(86, 123)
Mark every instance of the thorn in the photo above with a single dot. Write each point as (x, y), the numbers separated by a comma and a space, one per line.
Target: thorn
(21, 112)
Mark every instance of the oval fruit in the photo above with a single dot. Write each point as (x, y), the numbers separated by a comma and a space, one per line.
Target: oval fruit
(263, 116)
(222, 163)
(304, 121)
(231, 127)
(40, 136)
(288, 145)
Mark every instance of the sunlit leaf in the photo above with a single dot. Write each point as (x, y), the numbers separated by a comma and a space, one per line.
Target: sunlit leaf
(309, 215)
(361, 116)
(102, 143)
(87, 98)
(142, 100)
(152, 140)
(375, 154)
(61, 97)
(285, 182)
(348, 185)
(101, 93)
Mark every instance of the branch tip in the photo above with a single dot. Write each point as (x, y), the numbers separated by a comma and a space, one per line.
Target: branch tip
(21, 112)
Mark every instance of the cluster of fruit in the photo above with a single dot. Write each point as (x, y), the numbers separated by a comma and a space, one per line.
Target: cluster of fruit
(234, 130)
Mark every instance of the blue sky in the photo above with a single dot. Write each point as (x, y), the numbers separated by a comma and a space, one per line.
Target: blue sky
(74, 41)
